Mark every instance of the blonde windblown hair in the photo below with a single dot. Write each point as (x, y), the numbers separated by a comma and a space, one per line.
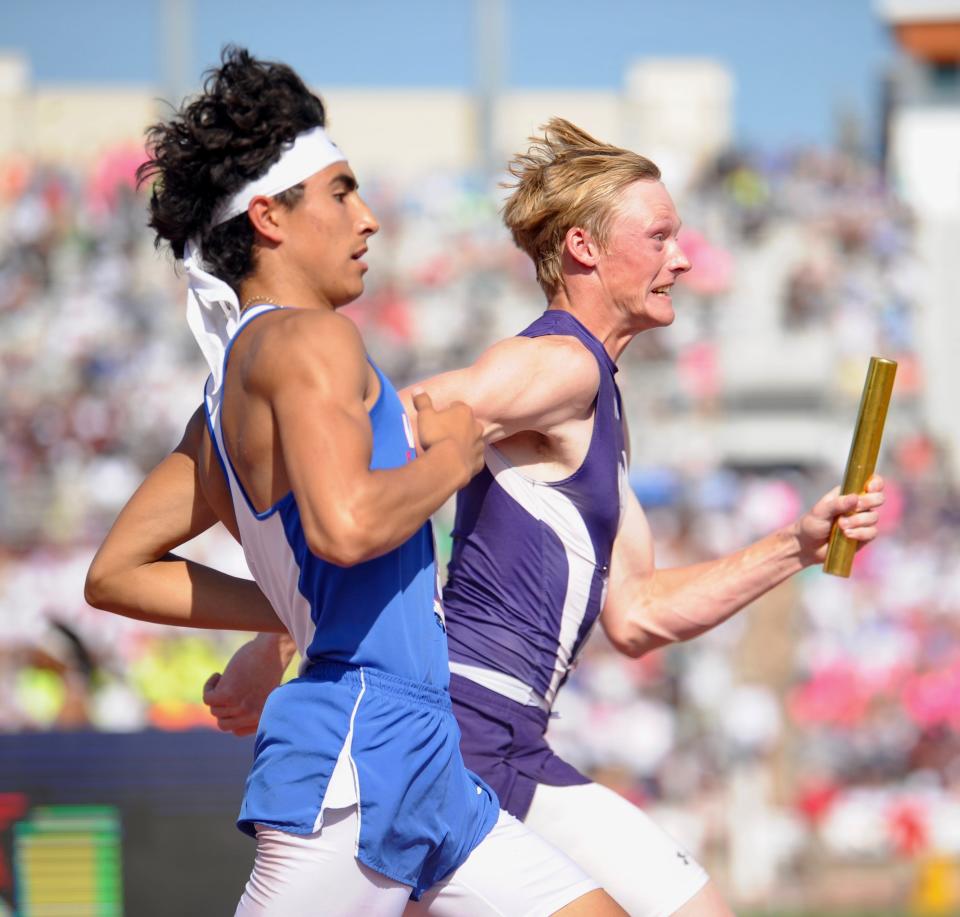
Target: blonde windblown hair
(566, 178)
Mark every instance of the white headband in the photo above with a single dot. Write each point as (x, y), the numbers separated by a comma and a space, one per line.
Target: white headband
(213, 310)
(309, 153)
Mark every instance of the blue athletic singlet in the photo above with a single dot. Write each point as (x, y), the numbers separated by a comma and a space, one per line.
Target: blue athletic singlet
(369, 719)
(526, 583)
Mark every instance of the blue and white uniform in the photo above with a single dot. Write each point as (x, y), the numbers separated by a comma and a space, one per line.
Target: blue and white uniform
(526, 584)
(368, 722)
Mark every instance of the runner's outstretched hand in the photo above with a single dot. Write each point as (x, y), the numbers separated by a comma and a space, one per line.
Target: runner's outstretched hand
(858, 520)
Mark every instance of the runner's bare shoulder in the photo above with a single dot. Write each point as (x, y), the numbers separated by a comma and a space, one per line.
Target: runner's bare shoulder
(562, 362)
(312, 347)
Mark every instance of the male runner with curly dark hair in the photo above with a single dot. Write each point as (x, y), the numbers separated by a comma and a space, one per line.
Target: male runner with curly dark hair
(358, 795)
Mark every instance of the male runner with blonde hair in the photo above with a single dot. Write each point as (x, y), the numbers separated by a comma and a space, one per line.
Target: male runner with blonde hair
(549, 539)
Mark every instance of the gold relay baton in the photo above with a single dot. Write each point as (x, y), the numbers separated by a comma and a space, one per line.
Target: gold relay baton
(863, 455)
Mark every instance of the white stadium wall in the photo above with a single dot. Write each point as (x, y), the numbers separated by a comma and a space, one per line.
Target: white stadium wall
(403, 132)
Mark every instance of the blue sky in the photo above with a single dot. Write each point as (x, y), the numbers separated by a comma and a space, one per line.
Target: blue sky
(795, 62)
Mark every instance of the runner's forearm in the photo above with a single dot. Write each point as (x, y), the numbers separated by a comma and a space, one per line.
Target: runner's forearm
(676, 604)
(180, 592)
(387, 508)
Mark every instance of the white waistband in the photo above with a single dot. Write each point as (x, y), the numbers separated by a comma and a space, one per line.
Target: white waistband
(504, 685)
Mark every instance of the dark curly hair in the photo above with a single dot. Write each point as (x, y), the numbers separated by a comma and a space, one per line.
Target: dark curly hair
(214, 144)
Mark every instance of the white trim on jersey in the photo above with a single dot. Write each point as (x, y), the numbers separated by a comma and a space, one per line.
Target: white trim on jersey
(264, 541)
(555, 510)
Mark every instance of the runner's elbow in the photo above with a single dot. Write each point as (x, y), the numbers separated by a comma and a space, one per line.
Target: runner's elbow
(630, 635)
(93, 590)
(97, 588)
(340, 539)
(624, 643)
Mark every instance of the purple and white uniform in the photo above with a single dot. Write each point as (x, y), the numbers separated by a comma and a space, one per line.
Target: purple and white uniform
(526, 584)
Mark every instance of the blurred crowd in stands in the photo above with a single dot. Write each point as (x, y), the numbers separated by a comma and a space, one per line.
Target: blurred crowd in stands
(820, 725)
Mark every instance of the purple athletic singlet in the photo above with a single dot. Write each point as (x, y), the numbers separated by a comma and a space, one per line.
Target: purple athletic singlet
(526, 584)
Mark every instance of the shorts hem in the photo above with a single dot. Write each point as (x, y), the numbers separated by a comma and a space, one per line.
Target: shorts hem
(250, 826)
(494, 818)
(562, 899)
(386, 873)
(680, 900)
(519, 799)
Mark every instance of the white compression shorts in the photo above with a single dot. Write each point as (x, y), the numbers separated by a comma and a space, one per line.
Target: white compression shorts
(638, 864)
(511, 873)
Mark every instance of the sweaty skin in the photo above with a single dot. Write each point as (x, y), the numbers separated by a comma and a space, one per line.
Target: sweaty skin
(533, 398)
(297, 391)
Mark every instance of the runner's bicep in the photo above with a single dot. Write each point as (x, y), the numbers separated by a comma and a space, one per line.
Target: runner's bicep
(326, 442)
(521, 384)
